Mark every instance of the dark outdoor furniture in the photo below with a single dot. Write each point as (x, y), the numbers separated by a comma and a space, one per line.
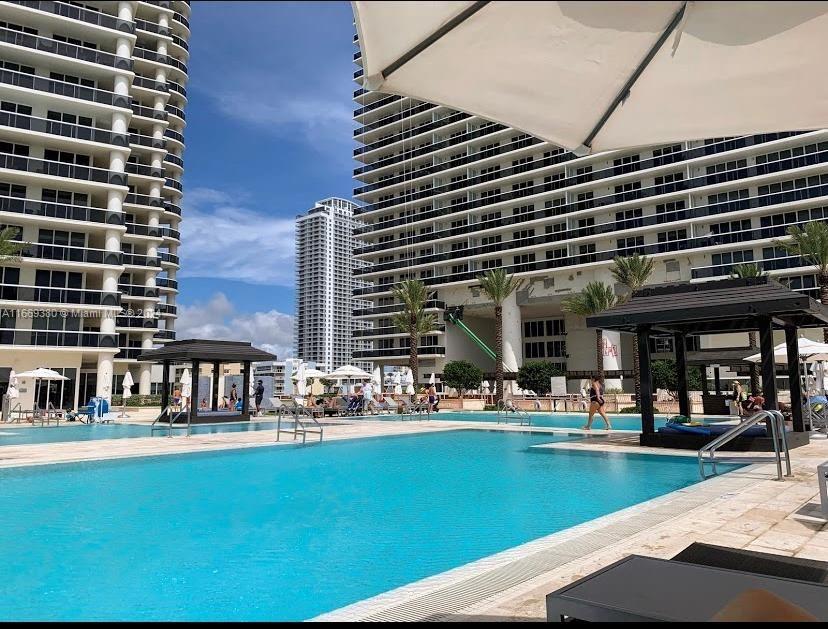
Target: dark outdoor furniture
(758, 563)
(683, 309)
(646, 589)
(198, 351)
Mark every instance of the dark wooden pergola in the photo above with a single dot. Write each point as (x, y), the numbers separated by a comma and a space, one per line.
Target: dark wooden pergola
(198, 351)
(733, 305)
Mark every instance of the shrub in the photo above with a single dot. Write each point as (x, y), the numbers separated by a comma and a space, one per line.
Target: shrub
(665, 376)
(534, 376)
(137, 400)
(462, 375)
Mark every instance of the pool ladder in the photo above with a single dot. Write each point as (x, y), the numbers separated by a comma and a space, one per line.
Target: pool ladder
(172, 418)
(301, 425)
(503, 414)
(780, 444)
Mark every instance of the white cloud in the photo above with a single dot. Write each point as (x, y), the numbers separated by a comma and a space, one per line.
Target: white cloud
(271, 331)
(223, 239)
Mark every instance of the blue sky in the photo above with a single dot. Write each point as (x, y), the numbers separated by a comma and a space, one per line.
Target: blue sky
(269, 128)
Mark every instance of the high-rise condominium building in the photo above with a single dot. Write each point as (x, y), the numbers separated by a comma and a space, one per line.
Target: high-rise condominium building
(326, 331)
(92, 98)
(448, 195)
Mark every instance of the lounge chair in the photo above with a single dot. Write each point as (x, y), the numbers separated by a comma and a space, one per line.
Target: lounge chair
(340, 408)
(381, 406)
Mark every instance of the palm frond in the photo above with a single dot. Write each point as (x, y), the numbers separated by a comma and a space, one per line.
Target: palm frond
(10, 248)
(809, 243)
(594, 299)
(747, 270)
(498, 285)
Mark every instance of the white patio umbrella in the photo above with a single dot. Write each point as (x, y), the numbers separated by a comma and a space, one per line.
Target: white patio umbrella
(186, 387)
(432, 379)
(349, 372)
(300, 379)
(409, 382)
(809, 352)
(592, 76)
(376, 377)
(485, 385)
(396, 380)
(128, 383)
(42, 374)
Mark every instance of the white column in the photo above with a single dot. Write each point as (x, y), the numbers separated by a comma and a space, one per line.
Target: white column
(105, 369)
(512, 354)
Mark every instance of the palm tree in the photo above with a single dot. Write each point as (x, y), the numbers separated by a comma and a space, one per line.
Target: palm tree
(10, 248)
(811, 244)
(743, 271)
(633, 272)
(594, 299)
(413, 319)
(499, 285)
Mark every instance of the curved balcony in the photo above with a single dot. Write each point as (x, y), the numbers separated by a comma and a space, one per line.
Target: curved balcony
(180, 42)
(174, 159)
(137, 259)
(136, 290)
(170, 233)
(61, 169)
(136, 322)
(382, 102)
(148, 140)
(174, 135)
(166, 283)
(164, 335)
(149, 84)
(62, 296)
(152, 27)
(176, 111)
(409, 133)
(143, 170)
(81, 92)
(156, 57)
(65, 253)
(71, 51)
(61, 211)
(57, 339)
(178, 17)
(74, 12)
(399, 352)
(174, 184)
(133, 198)
(139, 229)
(63, 129)
(177, 88)
(394, 118)
(168, 258)
(167, 310)
(172, 208)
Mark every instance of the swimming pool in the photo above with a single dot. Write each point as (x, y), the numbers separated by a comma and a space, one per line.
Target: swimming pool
(286, 533)
(552, 420)
(14, 434)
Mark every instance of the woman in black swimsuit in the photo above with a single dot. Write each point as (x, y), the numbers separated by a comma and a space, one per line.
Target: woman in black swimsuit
(596, 403)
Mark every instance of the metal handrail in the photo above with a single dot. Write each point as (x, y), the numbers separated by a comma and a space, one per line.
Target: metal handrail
(503, 411)
(298, 424)
(780, 444)
(169, 427)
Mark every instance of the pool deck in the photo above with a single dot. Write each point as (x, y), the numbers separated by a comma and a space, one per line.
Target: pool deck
(745, 508)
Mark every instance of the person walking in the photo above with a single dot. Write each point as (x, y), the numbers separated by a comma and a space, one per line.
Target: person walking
(234, 397)
(596, 403)
(259, 397)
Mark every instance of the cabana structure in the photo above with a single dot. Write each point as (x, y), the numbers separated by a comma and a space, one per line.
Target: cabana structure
(196, 352)
(734, 305)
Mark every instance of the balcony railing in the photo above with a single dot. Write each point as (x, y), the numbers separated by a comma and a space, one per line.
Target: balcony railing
(769, 264)
(137, 259)
(147, 140)
(61, 169)
(166, 309)
(81, 92)
(174, 184)
(75, 12)
(427, 350)
(64, 296)
(174, 135)
(176, 111)
(370, 332)
(81, 53)
(149, 83)
(168, 335)
(376, 105)
(144, 170)
(129, 353)
(377, 310)
(408, 133)
(152, 27)
(165, 282)
(60, 211)
(139, 229)
(169, 232)
(136, 322)
(157, 57)
(136, 290)
(395, 118)
(177, 88)
(143, 199)
(172, 208)
(178, 17)
(51, 338)
(174, 159)
(180, 42)
(64, 129)
(168, 258)
(65, 253)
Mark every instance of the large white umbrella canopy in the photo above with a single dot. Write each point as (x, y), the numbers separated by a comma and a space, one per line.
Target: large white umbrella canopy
(300, 378)
(409, 381)
(376, 377)
(432, 379)
(128, 384)
(596, 76)
(43, 374)
(396, 380)
(348, 372)
(186, 384)
(809, 351)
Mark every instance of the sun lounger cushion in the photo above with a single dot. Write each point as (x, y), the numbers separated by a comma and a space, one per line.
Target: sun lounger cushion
(758, 563)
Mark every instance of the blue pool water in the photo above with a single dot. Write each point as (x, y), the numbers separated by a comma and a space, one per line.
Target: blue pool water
(286, 533)
(553, 420)
(14, 434)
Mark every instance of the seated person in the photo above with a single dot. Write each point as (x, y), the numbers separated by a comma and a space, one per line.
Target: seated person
(753, 403)
(203, 405)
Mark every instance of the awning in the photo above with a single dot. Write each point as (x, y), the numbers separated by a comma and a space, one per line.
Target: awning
(595, 76)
